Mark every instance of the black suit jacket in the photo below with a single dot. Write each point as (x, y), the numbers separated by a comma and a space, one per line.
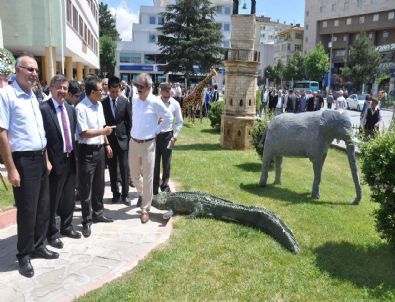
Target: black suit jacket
(122, 120)
(53, 133)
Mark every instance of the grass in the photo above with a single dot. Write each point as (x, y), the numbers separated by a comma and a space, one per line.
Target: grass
(342, 258)
(6, 197)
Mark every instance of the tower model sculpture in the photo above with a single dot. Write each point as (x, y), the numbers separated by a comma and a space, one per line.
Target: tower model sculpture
(241, 70)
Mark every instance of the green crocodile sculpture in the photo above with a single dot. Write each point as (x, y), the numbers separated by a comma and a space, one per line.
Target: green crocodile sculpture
(198, 204)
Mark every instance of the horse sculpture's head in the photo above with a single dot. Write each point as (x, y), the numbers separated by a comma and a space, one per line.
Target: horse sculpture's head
(213, 72)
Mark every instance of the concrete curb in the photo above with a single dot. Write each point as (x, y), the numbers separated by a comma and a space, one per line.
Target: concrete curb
(7, 218)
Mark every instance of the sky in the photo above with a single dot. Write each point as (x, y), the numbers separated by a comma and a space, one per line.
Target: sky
(127, 12)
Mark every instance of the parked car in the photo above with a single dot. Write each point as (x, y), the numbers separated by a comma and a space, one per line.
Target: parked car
(356, 101)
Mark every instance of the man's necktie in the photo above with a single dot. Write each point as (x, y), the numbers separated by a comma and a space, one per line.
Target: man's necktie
(114, 105)
(66, 132)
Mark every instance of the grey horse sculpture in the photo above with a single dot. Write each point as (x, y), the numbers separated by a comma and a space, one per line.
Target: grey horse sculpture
(309, 135)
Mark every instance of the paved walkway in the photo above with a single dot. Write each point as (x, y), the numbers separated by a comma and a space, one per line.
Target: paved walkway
(84, 264)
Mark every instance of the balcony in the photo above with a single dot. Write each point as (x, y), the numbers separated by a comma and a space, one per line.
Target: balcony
(245, 55)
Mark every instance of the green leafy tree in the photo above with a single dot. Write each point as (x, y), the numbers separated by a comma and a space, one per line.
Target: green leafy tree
(278, 72)
(269, 73)
(363, 61)
(107, 55)
(294, 70)
(107, 23)
(190, 36)
(316, 64)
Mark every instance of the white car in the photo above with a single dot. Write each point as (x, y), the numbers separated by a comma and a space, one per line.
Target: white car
(356, 101)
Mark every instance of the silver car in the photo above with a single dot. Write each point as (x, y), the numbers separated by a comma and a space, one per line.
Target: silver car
(356, 101)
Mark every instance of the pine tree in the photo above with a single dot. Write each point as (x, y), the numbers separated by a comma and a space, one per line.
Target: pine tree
(107, 24)
(190, 36)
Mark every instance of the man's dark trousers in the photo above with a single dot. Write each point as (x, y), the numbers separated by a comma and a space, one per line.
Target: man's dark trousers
(61, 187)
(32, 201)
(162, 152)
(91, 163)
(119, 156)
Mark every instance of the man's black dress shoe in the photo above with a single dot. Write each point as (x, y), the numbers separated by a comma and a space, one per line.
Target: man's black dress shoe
(86, 230)
(126, 200)
(165, 189)
(43, 252)
(71, 233)
(115, 199)
(25, 267)
(102, 219)
(56, 243)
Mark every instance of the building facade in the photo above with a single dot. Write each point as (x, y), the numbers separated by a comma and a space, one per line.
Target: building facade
(142, 54)
(287, 43)
(63, 35)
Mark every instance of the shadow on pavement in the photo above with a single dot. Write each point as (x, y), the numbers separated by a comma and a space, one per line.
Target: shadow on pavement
(8, 251)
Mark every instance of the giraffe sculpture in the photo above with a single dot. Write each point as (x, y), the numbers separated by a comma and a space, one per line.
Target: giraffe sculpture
(195, 98)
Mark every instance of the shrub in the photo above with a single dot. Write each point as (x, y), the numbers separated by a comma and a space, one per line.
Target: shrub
(378, 166)
(214, 114)
(258, 133)
(258, 99)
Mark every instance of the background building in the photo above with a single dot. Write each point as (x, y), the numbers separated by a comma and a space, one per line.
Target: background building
(142, 53)
(62, 35)
(287, 43)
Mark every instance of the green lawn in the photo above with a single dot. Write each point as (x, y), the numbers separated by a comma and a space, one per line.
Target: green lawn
(342, 257)
(6, 197)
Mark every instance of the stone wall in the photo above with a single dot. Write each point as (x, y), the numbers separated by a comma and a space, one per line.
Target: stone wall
(243, 31)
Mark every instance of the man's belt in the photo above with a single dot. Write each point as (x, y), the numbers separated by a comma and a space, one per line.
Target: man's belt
(141, 141)
(29, 153)
(91, 147)
(67, 154)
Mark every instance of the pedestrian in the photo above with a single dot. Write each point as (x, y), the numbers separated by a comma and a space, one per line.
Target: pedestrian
(207, 99)
(278, 100)
(341, 101)
(166, 140)
(104, 84)
(93, 146)
(373, 119)
(329, 100)
(264, 101)
(117, 112)
(303, 102)
(148, 115)
(215, 94)
(60, 125)
(23, 149)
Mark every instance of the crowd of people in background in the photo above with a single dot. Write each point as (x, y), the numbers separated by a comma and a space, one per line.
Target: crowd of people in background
(56, 141)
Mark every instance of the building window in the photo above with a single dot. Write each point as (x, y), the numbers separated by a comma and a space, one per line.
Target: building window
(152, 38)
(333, 7)
(345, 38)
(324, 24)
(75, 19)
(361, 19)
(359, 3)
(348, 21)
(299, 36)
(133, 57)
(370, 35)
(226, 44)
(321, 9)
(345, 4)
(219, 10)
(340, 53)
(336, 23)
(226, 27)
(68, 9)
(81, 27)
(161, 20)
(386, 35)
(334, 38)
(391, 15)
(298, 47)
(307, 13)
(376, 17)
(152, 20)
(227, 10)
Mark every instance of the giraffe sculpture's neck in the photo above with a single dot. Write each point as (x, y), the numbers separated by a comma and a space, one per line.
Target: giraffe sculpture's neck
(203, 83)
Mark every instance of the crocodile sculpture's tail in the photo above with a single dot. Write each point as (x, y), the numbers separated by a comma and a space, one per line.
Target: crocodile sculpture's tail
(199, 204)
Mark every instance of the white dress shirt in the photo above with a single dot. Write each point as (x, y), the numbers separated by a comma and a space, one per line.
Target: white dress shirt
(90, 117)
(176, 121)
(59, 116)
(20, 115)
(146, 115)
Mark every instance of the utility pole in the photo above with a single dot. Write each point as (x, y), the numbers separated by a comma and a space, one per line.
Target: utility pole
(330, 63)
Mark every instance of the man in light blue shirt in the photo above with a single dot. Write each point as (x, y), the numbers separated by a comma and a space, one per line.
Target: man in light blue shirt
(22, 147)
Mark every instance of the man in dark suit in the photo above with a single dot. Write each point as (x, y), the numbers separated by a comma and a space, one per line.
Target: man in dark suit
(60, 124)
(116, 110)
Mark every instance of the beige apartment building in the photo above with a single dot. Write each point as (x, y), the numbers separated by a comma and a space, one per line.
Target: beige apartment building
(287, 43)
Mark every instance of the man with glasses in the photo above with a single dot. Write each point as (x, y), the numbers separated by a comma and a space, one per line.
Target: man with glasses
(73, 93)
(93, 144)
(148, 115)
(166, 139)
(22, 147)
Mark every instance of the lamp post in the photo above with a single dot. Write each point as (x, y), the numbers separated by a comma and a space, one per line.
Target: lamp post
(330, 64)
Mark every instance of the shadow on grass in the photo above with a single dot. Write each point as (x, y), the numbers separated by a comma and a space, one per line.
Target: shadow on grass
(284, 194)
(250, 167)
(211, 131)
(199, 147)
(371, 267)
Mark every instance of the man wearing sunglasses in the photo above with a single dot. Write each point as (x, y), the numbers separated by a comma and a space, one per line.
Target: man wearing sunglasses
(148, 115)
(23, 149)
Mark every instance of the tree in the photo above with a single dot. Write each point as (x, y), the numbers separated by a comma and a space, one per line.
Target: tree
(316, 63)
(107, 23)
(269, 73)
(278, 72)
(362, 63)
(190, 36)
(294, 70)
(107, 55)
